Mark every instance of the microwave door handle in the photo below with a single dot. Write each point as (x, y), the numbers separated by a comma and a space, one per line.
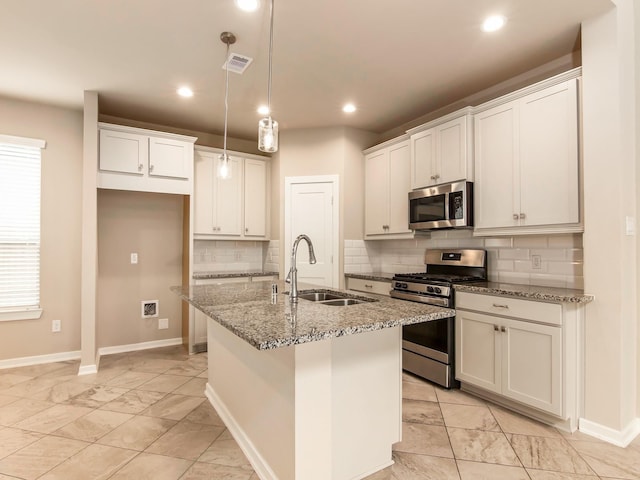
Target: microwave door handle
(447, 218)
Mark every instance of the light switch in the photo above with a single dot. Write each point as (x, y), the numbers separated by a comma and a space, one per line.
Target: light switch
(134, 258)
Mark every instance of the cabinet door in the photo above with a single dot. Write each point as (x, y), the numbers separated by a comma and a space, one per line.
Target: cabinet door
(255, 198)
(451, 151)
(423, 159)
(204, 172)
(532, 364)
(376, 192)
(169, 158)
(549, 156)
(227, 200)
(123, 152)
(399, 186)
(495, 164)
(478, 350)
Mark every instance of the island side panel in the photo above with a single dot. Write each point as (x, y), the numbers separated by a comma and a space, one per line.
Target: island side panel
(253, 392)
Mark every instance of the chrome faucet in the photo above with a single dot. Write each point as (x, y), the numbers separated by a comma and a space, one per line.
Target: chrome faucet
(292, 277)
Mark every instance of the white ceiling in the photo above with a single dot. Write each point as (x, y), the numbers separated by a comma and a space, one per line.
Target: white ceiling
(395, 60)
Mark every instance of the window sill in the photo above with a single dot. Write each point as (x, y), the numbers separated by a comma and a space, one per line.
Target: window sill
(27, 313)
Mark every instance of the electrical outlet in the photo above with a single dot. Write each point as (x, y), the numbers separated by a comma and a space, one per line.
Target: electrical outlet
(56, 325)
(134, 258)
(536, 262)
(163, 323)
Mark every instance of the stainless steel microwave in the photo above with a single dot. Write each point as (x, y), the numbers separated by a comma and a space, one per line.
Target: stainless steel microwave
(443, 206)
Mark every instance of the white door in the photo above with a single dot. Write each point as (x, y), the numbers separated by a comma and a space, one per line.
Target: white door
(311, 208)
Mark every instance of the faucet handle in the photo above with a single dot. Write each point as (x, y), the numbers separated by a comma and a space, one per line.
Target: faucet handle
(288, 279)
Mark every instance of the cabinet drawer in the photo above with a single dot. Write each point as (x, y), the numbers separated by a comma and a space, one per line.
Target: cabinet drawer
(550, 313)
(368, 286)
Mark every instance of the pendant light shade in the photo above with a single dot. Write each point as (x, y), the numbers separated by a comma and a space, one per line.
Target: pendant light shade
(224, 165)
(267, 126)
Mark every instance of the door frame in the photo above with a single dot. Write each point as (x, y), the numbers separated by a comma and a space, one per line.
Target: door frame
(334, 180)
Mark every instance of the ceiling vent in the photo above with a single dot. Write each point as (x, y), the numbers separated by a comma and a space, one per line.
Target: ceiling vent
(238, 63)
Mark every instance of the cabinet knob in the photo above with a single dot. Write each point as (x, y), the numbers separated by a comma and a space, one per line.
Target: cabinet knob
(503, 329)
(516, 216)
(368, 286)
(140, 167)
(496, 328)
(437, 176)
(522, 215)
(246, 230)
(151, 168)
(433, 177)
(499, 305)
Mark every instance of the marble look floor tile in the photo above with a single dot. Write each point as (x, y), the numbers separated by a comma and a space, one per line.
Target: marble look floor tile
(97, 396)
(194, 387)
(61, 392)
(186, 440)
(156, 467)
(543, 453)
(425, 440)
(204, 374)
(482, 446)
(225, 451)
(52, 418)
(137, 433)
(155, 365)
(37, 370)
(96, 462)
(209, 471)
(457, 396)
(410, 377)
(65, 373)
(13, 439)
(205, 414)
(7, 399)
(103, 376)
(134, 401)
(512, 422)
(490, 471)
(41, 456)
(419, 391)
(474, 417)
(8, 380)
(21, 409)
(131, 379)
(418, 411)
(30, 387)
(187, 370)
(174, 407)
(409, 466)
(546, 475)
(93, 426)
(610, 461)
(164, 383)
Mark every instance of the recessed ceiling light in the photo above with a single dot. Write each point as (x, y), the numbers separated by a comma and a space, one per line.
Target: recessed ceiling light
(248, 5)
(493, 23)
(349, 108)
(263, 110)
(185, 92)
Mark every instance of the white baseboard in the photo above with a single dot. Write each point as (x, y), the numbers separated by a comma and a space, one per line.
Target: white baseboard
(620, 438)
(133, 347)
(39, 359)
(258, 463)
(87, 369)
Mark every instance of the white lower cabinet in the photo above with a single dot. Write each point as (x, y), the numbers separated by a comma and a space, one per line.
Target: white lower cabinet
(517, 353)
(368, 286)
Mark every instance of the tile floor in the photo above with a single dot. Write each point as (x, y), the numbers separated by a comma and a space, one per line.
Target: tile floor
(144, 416)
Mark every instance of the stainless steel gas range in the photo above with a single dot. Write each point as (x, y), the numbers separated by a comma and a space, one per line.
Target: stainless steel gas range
(428, 348)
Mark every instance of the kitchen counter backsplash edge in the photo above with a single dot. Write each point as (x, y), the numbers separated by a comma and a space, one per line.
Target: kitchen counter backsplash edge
(374, 276)
(530, 292)
(208, 275)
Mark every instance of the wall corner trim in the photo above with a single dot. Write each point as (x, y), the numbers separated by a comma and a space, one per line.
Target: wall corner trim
(87, 370)
(620, 438)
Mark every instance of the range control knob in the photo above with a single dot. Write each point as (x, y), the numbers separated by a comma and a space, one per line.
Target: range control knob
(430, 289)
(437, 290)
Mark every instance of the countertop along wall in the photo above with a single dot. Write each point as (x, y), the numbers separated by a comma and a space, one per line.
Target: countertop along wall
(61, 217)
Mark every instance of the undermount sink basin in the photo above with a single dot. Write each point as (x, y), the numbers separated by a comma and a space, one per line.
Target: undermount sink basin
(333, 299)
(318, 296)
(342, 302)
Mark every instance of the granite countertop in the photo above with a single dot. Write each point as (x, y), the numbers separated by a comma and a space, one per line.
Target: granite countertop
(376, 276)
(249, 273)
(530, 292)
(267, 322)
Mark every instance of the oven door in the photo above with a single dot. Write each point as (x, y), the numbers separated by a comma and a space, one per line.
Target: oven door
(433, 339)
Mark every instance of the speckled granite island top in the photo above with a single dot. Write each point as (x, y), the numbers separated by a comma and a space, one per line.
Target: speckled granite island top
(249, 311)
(249, 273)
(375, 276)
(530, 292)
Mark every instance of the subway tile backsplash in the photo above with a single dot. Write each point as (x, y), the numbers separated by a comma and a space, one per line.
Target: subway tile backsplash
(227, 256)
(509, 259)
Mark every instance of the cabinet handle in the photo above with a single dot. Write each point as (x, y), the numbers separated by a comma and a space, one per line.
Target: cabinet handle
(246, 230)
(503, 329)
(368, 286)
(433, 177)
(437, 176)
(150, 168)
(496, 328)
(497, 305)
(140, 167)
(515, 216)
(522, 215)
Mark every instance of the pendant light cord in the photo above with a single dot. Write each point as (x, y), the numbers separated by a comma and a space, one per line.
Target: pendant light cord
(270, 61)
(226, 102)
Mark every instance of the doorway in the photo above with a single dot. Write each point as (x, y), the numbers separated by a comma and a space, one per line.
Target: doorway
(312, 207)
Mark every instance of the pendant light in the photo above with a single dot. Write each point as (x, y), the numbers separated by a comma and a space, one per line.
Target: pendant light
(268, 127)
(224, 165)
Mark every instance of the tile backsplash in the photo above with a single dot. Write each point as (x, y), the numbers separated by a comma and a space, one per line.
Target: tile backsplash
(548, 260)
(226, 256)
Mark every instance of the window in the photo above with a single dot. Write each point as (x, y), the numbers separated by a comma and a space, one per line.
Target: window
(19, 228)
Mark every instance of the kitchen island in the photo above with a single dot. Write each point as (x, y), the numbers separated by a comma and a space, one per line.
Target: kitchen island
(308, 390)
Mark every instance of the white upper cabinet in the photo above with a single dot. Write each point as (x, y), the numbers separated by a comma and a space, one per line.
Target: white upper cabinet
(234, 208)
(527, 161)
(145, 160)
(387, 185)
(441, 150)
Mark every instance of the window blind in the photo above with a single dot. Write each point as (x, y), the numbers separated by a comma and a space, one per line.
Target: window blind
(19, 225)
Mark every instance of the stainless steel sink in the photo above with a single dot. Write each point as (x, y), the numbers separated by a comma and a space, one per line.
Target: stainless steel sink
(342, 302)
(318, 296)
(332, 298)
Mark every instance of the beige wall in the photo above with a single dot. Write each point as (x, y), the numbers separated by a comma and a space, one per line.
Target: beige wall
(150, 225)
(60, 228)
